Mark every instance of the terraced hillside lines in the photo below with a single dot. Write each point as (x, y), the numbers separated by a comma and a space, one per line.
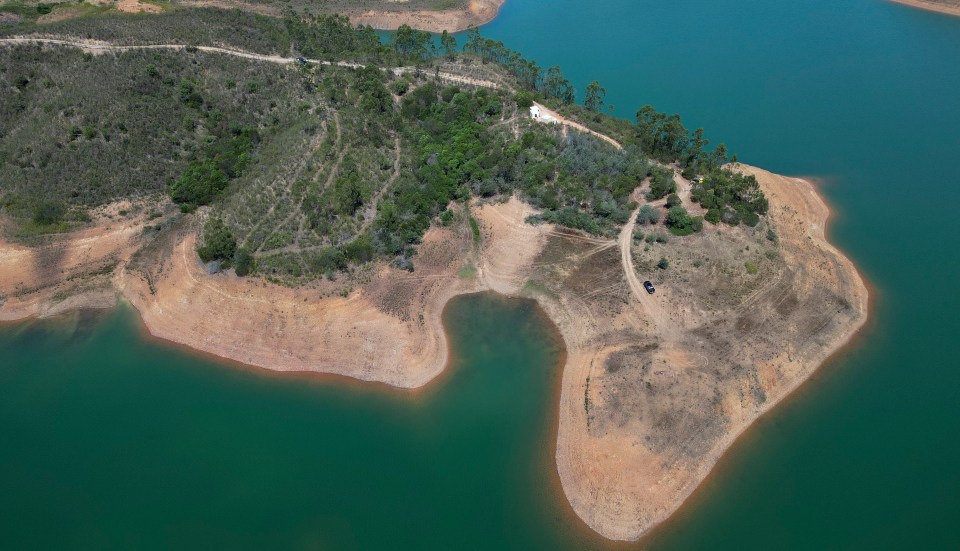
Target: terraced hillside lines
(297, 210)
(285, 188)
(371, 212)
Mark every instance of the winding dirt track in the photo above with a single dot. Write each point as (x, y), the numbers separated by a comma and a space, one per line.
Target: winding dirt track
(103, 47)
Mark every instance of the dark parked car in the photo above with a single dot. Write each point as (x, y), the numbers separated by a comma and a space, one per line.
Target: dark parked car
(301, 60)
(649, 287)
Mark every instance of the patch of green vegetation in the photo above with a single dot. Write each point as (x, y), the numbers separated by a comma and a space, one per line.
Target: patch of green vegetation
(751, 268)
(468, 271)
(731, 198)
(535, 287)
(475, 228)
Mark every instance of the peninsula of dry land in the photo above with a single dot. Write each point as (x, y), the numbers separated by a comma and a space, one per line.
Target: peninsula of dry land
(358, 201)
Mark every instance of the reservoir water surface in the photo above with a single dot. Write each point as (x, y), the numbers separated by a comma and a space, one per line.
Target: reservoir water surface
(113, 441)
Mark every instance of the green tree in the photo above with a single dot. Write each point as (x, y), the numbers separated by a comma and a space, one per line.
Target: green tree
(720, 155)
(449, 44)
(410, 42)
(594, 97)
(524, 100)
(557, 86)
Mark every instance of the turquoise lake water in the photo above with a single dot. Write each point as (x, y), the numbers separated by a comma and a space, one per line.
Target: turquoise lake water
(112, 441)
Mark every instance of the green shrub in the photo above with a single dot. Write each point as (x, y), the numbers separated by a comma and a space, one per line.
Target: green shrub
(679, 221)
(648, 214)
(48, 212)
(673, 200)
(401, 86)
(218, 241)
(751, 267)
(696, 223)
(446, 217)
(661, 184)
(663, 263)
(199, 184)
(243, 262)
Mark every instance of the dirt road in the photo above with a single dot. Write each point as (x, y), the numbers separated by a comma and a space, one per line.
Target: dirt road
(103, 47)
(649, 303)
(577, 126)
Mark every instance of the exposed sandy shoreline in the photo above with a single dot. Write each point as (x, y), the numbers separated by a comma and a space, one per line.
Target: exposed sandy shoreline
(621, 471)
(479, 12)
(941, 6)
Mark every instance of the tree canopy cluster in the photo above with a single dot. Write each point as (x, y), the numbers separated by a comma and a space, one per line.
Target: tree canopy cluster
(731, 198)
(528, 73)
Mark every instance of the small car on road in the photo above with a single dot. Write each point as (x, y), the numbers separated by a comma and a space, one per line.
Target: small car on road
(649, 287)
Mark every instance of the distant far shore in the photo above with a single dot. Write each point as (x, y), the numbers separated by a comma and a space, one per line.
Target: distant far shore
(476, 13)
(949, 7)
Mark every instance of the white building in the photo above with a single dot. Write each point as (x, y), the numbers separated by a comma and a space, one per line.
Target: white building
(537, 113)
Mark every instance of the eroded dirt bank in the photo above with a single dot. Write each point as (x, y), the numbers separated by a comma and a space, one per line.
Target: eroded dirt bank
(67, 272)
(388, 330)
(654, 389)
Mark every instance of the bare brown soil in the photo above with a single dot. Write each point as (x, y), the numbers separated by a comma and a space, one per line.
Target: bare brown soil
(654, 389)
(950, 7)
(478, 12)
(136, 6)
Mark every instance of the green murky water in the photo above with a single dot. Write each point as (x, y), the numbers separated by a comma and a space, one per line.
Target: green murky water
(110, 441)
